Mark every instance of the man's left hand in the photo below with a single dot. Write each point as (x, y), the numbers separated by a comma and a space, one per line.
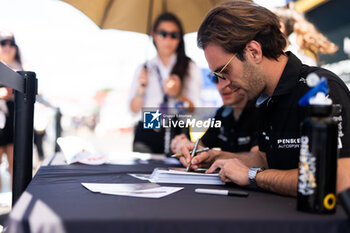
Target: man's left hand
(231, 170)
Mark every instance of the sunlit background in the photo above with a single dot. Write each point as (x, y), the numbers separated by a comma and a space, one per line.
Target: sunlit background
(75, 61)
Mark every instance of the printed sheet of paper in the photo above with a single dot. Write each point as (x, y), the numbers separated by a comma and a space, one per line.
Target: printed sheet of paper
(146, 190)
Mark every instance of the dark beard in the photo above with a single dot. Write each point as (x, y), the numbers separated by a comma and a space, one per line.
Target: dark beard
(256, 82)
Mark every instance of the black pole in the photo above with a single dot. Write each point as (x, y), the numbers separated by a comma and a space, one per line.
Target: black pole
(23, 139)
(58, 117)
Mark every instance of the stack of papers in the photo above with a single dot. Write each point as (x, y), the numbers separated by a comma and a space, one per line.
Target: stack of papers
(177, 176)
(133, 190)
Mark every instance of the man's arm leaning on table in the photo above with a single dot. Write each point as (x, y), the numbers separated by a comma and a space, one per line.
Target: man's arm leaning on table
(236, 169)
(279, 181)
(286, 181)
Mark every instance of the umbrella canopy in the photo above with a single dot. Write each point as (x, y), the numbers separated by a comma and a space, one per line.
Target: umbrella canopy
(138, 15)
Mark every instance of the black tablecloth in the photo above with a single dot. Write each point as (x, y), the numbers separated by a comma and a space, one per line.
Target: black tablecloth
(55, 201)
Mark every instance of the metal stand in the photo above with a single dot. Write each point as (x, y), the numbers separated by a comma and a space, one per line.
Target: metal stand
(24, 85)
(23, 141)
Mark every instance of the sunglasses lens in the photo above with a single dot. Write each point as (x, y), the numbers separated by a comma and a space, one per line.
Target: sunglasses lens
(213, 78)
(174, 35)
(162, 33)
(7, 42)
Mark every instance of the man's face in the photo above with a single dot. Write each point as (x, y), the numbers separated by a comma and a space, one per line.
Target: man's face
(243, 78)
(229, 97)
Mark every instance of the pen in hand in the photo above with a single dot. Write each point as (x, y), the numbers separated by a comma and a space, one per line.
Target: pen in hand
(177, 155)
(193, 154)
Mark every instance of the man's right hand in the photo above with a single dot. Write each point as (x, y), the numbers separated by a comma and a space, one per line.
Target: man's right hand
(177, 142)
(201, 160)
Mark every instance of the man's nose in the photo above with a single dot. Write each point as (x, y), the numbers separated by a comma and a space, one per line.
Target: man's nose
(222, 84)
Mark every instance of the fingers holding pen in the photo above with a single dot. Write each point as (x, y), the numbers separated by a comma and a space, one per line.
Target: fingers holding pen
(205, 158)
(185, 150)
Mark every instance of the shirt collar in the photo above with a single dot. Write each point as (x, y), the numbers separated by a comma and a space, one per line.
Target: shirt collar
(288, 79)
(290, 76)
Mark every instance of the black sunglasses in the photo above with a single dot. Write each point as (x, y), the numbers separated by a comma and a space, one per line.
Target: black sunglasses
(7, 42)
(173, 35)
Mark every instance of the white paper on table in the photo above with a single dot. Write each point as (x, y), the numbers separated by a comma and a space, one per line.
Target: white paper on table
(148, 193)
(101, 187)
(146, 190)
(141, 176)
(179, 176)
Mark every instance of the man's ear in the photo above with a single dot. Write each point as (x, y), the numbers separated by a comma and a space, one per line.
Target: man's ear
(254, 51)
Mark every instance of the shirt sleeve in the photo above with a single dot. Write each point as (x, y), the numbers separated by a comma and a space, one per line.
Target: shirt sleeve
(255, 139)
(210, 138)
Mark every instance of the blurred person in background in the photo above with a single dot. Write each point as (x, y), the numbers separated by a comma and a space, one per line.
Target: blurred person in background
(303, 38)
(41, 121)
(167, 80)
(238, 116)
(10, 56)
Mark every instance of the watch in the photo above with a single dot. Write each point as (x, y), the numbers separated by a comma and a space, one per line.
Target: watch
(253, 171)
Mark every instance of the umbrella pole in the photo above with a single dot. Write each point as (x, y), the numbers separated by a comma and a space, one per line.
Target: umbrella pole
(149, 28)
(149, 19)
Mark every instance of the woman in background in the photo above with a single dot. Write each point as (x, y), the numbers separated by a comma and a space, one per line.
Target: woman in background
(164, 82)
(304, 40)
(10, 56)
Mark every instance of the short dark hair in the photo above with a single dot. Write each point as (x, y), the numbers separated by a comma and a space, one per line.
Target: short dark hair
(233, 24)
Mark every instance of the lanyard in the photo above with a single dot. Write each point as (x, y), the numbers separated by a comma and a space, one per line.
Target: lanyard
(164, 108)
(160, 80)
